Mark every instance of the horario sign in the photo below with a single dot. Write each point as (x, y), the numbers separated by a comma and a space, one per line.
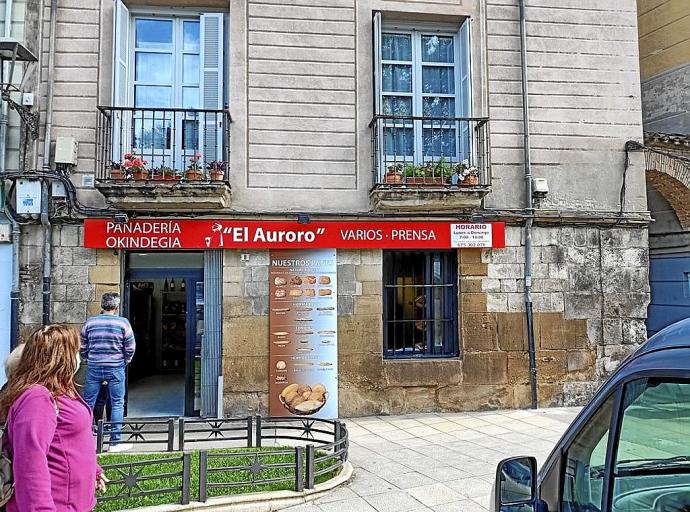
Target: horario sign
(172, 234)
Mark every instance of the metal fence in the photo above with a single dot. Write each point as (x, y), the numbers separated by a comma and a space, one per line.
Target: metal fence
(232, 453)
(175, 143)
(423, 151)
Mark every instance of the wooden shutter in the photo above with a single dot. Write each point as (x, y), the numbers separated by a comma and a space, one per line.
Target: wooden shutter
(465, 89)
(211, 84)
(122, 91)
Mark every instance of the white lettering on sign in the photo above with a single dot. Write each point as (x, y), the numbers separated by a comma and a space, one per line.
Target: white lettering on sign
(154, 242)
(270, 236)
(413, 234)
(470, 235)
(361, 234)
(143, 228)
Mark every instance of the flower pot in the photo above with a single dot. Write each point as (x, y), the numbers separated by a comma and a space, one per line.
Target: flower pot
(393, 178)
(140, 175)
(117, 174)
(216, 175)
(194, 174)
(424, 180)
(470, 181)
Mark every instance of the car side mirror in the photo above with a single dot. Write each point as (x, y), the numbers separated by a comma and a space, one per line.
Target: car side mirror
(516, 485)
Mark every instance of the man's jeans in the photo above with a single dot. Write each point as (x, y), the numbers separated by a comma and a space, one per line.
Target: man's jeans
(115, 378)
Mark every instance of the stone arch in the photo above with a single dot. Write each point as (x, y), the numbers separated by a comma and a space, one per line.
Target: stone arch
(671, 178)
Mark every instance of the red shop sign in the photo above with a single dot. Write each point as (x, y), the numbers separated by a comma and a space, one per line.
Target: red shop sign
(167, 234)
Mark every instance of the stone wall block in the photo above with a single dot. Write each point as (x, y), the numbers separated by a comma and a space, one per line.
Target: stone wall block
(107, 257)
(552, 254)
(514, 236)
(234, 306)
(506, 271)
(422, 373)
(594, 331)
(83, 256)
(233, 274)
(69, 236)
(472, 256)
(245, 374)
(633, 305)
(518, 368)
(473, 303)
(260, 305)
(75, 274)
(260, 273)
(511, 285)
(582, 305)
(232, 290)
(369, 288)
(558, 271)
(631, 237)
(371, 256)
(490, 285)
(580, 361)
(625, 257)
(347, 283)
(578, 393)
(496, 302)
(474, 269)
(360, 335)
(256, 288)
(345, 257)
(475, 397)
(634, 331)
(62, 256)
(81, 293)
(58, 292)
(102, 274)
(512, 331)
(505, 255)
(551, 365)
(369, 272)
(584, 279)
(246, 336)
(544, 236)
(479, 332)
(69, 312)
(471, 285)
(516, 302)
(368, 305)
(485, 367)
(346, 305)
(550, 331)
(540, 270)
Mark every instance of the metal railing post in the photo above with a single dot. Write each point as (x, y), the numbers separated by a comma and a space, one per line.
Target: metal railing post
(203, 476)
(171, 435)
(310, 469)
(180, 433)
(186, 477)
(258, 432)
(250, 433)
(99, 436)
(299, 469)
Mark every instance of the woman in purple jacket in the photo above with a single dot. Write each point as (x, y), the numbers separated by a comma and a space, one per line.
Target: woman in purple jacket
(49, 428)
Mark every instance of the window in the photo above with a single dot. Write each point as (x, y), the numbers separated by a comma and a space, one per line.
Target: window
(167, 66)
(423, 90)
(420, 304)
(652, 465)
(585, 463)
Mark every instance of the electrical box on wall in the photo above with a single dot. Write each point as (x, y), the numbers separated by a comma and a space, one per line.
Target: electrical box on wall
(66, 150)
(28, 196)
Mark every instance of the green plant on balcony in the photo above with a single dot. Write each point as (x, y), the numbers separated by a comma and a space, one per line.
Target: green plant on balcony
(165, 173)
(429, 173)
(117, 172)
(468, 175)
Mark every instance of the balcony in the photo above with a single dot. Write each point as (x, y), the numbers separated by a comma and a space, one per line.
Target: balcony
(165, 159)
(429, 163)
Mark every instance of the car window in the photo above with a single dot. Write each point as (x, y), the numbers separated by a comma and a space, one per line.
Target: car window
(652, 463)
(584, 463)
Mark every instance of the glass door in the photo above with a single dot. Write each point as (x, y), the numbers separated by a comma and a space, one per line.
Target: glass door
(166, 86)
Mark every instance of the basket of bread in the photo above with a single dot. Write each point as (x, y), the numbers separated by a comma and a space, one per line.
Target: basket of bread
(302, 399)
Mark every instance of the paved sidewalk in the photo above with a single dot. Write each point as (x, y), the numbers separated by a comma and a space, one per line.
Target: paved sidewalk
(437, 462)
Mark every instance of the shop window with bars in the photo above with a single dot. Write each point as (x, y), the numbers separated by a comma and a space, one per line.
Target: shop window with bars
(420, 304)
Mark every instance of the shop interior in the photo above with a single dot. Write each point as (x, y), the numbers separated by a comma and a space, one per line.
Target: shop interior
(165, 308)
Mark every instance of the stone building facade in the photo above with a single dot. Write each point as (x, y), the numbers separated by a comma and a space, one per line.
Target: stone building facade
(301, 90)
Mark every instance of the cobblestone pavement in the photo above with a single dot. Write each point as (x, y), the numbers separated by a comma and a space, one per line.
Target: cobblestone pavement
(437, 462)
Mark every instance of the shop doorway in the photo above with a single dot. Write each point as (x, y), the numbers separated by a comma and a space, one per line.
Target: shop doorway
(165, 304)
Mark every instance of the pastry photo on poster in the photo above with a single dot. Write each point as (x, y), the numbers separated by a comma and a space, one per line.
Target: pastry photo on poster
(303, 333)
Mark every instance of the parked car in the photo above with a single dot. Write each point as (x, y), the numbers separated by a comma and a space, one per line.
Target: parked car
(627, 451)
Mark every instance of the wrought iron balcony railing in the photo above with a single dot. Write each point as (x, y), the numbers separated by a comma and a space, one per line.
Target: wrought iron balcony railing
(430, 151)
(162, 144)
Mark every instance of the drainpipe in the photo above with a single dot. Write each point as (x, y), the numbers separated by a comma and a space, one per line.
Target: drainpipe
(16, 233)
(530, 210)
(45, 190)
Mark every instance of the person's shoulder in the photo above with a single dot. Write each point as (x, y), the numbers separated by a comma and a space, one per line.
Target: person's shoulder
(32, 393)
(124, 320)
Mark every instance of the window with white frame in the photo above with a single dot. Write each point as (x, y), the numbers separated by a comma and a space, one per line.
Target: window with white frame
(422, 91)
(168, 74)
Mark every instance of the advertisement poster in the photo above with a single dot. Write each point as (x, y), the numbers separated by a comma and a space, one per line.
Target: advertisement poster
(303, 333)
